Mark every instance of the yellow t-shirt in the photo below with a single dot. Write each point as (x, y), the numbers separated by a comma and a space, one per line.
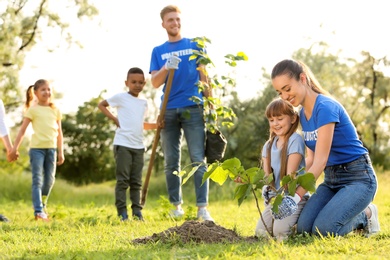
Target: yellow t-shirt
(44, 123)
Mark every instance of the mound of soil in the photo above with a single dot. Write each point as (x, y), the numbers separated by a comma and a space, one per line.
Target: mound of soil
(196, 232)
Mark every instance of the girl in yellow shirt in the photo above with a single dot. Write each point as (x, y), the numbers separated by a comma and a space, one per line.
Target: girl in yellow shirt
(46, 147)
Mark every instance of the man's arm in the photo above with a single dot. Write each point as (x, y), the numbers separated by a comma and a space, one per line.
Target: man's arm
(158, 77)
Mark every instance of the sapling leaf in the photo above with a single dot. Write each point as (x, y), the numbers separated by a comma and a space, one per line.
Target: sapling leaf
(307, 181)
(241, 192)
(219, 175)
(277, 202)
(189, 175)
(292, 187)
(209, 171)
(286, 179)
(180, 174)
(253, 175)
(231, 163)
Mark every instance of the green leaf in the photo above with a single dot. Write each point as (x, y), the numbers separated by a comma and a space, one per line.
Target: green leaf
(307, 181)
(286, 179)
(277, 202)
(253, 175)
(241, 192)
(189, 175)
(292, 186)
(219, 175)
(233, 165)
(241, 56)
(209, 171)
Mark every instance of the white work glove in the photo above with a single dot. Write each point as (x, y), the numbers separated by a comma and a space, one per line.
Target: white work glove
(172, 62)
(267, 194)
(288, 206)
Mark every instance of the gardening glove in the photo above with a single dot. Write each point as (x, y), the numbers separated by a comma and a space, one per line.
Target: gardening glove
(267, 194)
(172, 62)
(288, 206)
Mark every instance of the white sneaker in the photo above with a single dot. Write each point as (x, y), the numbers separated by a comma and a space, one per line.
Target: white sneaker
(177, 213)
(204, 214)
(41, 216)
(373, 226)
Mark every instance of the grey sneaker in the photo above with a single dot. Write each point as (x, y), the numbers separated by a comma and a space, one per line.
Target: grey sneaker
(373, 226)
(177, 213)
(204, 214)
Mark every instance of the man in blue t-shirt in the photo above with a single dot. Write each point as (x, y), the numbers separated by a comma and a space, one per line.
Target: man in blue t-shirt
(182, 114)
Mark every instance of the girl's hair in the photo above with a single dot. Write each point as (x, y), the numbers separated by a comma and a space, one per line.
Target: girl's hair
(294, 69)
(169, 9)
(279, 107)
(30, 92)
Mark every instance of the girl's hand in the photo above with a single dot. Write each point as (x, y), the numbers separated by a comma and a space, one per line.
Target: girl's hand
(13, 155)
(60, 159)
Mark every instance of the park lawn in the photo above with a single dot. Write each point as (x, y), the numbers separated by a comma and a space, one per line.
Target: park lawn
(84, 225)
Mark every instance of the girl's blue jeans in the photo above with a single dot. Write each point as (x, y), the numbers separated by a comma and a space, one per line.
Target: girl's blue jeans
(338, 205)
(43, 167)
(190, 121)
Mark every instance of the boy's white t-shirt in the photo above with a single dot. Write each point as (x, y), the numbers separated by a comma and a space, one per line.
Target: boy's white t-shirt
(131, 112)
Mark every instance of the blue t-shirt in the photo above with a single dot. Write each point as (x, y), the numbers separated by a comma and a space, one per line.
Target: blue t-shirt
(184, 84)
(346, 146)
(295, 145)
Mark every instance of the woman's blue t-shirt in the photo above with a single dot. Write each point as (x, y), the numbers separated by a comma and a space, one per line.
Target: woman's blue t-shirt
(346, 146)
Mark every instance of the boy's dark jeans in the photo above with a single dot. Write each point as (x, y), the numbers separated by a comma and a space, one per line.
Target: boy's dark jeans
(129, 165)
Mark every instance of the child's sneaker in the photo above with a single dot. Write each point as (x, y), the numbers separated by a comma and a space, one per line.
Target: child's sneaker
(42, 216)
(3, 218)
(204, 214)
(373, 226)
(138, 216)
(177, 213)
(124, 216)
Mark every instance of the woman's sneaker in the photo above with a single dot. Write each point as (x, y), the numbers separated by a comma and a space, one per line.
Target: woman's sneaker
(373, 226)
(41, 216)
(177, 213)
(204, 215)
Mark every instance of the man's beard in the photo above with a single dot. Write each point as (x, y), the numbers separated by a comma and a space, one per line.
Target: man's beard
(173, 34)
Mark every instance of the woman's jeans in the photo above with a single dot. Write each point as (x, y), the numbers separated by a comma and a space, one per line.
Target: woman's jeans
(337, 207)
(43, 168)
(190, 121)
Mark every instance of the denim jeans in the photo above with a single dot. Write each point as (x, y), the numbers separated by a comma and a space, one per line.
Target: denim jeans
(337, 207)
(43, 168)
(129, 164)
(190, 121)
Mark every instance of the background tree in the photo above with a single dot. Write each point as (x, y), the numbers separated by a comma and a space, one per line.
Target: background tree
(88, 137)
(370, 111)
(22, 23)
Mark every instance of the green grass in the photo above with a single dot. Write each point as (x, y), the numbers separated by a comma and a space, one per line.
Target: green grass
(85, 226)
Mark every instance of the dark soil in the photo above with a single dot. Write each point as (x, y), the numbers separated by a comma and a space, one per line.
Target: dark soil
(196, 232)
